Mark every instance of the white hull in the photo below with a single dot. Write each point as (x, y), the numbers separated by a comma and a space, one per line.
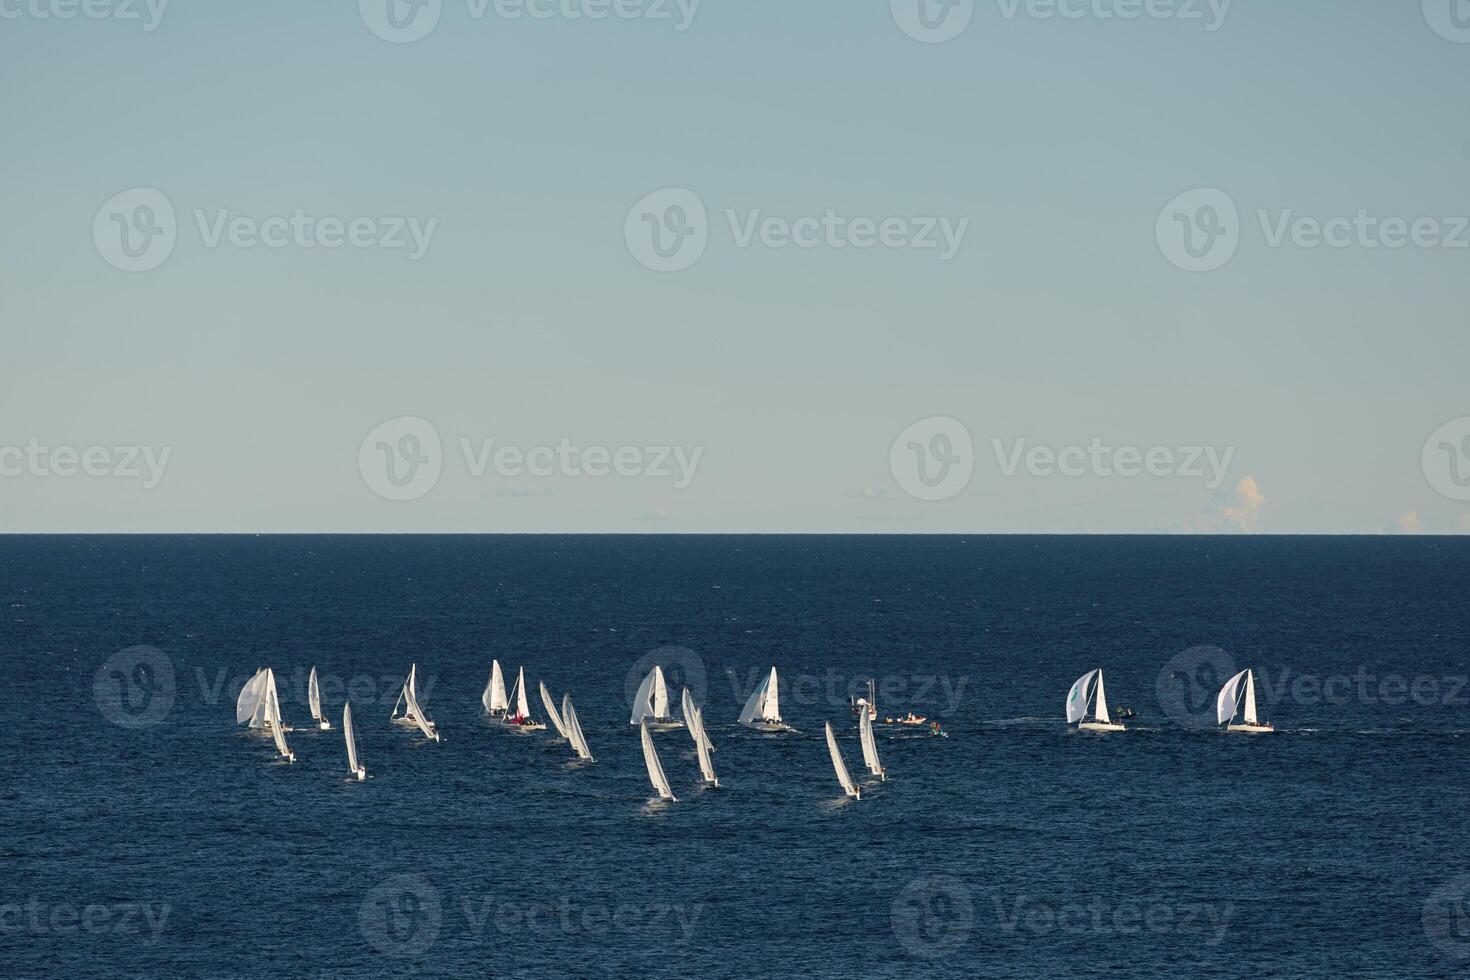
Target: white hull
(1251, 729)
(769, 726)
(324, 725)
(666, 725)
(534, 726)
(1097, 726)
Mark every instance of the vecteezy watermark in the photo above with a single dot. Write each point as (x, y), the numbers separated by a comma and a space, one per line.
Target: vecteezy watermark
(148, 12)
(1450, 19)
(403, 458)
(936, 695)
(669, 229)
(143, 463)
(137, 230)
(1188, 683)
(1363, 686)
(933, 459)
(935, 917)
(1098, 459)
(937, 21)
(1446, 918)
(135, 687)
(1201, 230)
(405, 21)
(1446, 459)
(405, 915)
(38, 918)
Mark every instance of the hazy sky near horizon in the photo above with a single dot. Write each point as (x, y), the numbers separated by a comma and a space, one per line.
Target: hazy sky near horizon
(1023, 234)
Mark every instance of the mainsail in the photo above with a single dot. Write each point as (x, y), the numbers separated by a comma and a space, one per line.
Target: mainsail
(523, 707)
(1250, 698)
(655, 768)
(691, 716)
(408, 697)
(351, 737)
(1102, 700)
(494, 698)
(651, 702)
(764, 703)
(278, 733)
(550, 703)
(703, 747)
(574, 729)
(848, 786)
(314, 699)
(870, 745)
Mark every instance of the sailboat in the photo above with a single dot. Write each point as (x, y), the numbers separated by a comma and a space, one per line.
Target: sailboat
(522, 719)
(1228, 705)
(413, 715)
(353, 766)
(870, 746)
(651, 702)
(867, 705)
(1078, 700)
(848, 786)
(494, 699)
(550, 703)
(655, 768)
(314, 698)
(252, 707)
(277, 727)
(763, 709)
(574, 729)
(694, 718)
(703, 747)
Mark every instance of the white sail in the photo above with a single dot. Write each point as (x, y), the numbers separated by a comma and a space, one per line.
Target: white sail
(1102, 701)
(550, 703)
(643, 700)
(702, 747)
(278, 728)
(1227, 703)
(660, 694)
(690, 714)
(350, 736)
(249, 705)
(523, 707)
(411, 710)
(574, 728)
(1077, 698)
(755, 705)
(848, 786)
(771, 708)
(314, 696)
(1250, 698)
(655, 768)
(494, 698)
(870, 745)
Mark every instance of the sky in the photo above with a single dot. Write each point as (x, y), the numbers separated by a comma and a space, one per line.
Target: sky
(880, 266)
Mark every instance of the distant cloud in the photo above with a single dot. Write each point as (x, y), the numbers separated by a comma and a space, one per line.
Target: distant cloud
(1409, 522)
(1240, 511)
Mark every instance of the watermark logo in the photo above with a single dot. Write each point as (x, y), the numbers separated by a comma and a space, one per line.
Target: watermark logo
(401, 916)
(933, 917)
(1447, 918)
(401, 459)
(135, 687)
(932, 21)
(668, 230)
(1446, 459)
(135, 230)
(400, 21)
(682, 668)
(36, 459)
(1199, 231)
(41, 919)
(1189, 682)
(1104, 461)
(1450, 19)
(933, 459)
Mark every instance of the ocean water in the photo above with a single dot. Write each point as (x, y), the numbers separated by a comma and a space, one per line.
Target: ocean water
(142, 834)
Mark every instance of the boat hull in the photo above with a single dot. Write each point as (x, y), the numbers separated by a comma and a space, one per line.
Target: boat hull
(1097, 726)
(534, 726)
(664, 726)
(1251, 729)
(770, 726)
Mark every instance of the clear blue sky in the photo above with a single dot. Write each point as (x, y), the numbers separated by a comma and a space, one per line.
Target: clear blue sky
(527, 319)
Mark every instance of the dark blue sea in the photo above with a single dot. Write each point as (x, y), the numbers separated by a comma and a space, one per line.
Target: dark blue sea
(144, 834)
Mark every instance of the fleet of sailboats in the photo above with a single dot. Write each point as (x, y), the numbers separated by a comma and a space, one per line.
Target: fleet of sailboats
(763, 709)
(1087, 689)
(1229, 703)
(651, 702)
(258, 707)
(413, 715)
